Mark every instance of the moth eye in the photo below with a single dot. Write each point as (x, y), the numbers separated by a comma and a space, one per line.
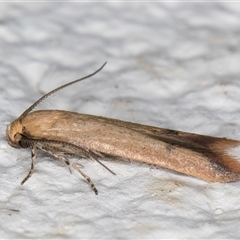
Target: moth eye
(23, 141)
(24, 144)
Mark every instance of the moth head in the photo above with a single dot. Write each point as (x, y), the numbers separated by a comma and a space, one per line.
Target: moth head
(14, 134)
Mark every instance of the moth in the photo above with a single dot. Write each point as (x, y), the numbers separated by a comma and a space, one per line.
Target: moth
(63, 133)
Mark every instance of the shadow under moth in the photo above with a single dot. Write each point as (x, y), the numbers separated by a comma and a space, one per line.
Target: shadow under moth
(64, 133)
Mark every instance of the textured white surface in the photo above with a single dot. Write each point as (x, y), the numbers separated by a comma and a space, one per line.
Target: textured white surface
(173, 65)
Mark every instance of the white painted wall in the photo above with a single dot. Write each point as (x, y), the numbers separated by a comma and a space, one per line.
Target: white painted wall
(173, 65)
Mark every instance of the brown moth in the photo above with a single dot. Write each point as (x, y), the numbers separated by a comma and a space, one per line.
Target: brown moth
(63, 133)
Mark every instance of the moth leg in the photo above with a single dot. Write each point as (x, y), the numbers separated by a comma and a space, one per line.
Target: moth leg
(105, 166)
(86, 177)
(94, 156)
(75, 166)
(33, 157)
(78, 165)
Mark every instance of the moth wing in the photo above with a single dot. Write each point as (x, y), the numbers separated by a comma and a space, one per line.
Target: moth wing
(183, 152)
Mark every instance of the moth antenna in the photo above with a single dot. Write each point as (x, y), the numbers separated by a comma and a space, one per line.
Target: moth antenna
(57, 89)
